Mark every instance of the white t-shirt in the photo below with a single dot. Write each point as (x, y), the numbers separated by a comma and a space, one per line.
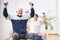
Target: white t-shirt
(34, 26)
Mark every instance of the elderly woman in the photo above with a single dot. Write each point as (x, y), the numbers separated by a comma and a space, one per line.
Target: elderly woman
(34, 25)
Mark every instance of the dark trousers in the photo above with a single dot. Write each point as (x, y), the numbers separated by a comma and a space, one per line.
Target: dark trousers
(38, 37)
(24, 36)
(17, 36)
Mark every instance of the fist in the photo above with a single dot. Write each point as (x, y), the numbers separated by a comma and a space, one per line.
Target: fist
(26, 11)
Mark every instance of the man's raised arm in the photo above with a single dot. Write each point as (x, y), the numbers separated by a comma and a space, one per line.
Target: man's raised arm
(32, 12)
(32, 9)
(5, 13)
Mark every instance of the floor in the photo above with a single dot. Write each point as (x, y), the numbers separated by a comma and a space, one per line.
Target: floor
(53, 37)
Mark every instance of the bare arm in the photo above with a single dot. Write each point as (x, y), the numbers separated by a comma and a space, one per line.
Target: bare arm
(28, 27)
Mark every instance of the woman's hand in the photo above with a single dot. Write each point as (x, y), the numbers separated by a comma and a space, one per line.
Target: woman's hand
(28, 28)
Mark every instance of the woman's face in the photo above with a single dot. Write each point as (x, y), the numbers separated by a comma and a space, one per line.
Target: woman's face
(35, 17)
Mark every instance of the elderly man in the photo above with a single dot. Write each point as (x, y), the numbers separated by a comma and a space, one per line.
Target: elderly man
(19, 22)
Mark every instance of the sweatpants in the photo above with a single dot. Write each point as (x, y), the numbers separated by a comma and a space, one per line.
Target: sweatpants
(24, 36)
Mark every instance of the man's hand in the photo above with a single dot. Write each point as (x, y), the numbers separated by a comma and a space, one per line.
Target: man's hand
(9, 36)
(26, 11)
(7, 39)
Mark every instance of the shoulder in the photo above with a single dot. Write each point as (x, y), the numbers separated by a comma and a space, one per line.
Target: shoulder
(26, 16)
(31, 18)
(13, 16)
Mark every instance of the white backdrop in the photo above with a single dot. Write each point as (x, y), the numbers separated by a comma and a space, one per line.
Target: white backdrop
(47, 6)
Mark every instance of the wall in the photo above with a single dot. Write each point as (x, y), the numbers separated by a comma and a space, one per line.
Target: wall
(58, 16)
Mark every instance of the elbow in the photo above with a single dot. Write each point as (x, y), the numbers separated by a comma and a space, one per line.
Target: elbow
(5, 15)
(32, 14)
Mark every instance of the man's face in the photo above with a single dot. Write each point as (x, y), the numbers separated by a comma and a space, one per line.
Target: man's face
(35, 17)
(20, 11)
